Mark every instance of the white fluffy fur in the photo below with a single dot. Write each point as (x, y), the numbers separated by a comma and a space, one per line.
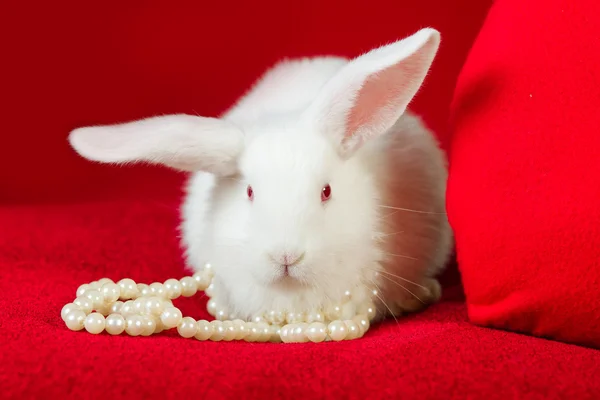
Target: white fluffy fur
(304, 124)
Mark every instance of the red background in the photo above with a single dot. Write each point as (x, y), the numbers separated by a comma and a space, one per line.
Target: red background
(69, 63)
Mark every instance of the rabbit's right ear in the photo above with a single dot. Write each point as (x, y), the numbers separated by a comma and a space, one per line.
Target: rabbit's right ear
(183, 142)
(368, 95)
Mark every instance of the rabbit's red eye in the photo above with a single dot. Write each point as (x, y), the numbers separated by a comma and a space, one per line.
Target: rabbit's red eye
(326, 193)
(250, 192)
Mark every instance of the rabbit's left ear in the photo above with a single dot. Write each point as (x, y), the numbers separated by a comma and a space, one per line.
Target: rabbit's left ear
(182, 142)
(372, 91)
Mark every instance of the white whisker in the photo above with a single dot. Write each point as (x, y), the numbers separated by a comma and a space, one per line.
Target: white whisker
(403, 287)
(402, 256)
(384, 303)
(399, 277)
(414, 211)
(389, 234)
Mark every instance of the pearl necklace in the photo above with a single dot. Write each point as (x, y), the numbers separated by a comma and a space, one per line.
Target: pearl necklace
(140, 309)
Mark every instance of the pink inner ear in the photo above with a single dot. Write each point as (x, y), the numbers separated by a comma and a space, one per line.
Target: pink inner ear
(380, 95)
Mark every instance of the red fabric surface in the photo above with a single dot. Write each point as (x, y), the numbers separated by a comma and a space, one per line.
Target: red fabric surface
(523, 192)
(47, 251)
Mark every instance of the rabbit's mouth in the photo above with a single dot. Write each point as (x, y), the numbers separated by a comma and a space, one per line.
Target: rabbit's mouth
(289, 277)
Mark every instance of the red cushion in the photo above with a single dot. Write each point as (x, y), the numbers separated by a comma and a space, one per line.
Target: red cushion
(524, 189)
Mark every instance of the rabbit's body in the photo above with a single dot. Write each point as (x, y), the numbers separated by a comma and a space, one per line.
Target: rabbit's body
(316, 182)
(409, 173)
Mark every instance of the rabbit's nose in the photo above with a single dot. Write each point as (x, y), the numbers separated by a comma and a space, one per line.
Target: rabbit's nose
(286, 259)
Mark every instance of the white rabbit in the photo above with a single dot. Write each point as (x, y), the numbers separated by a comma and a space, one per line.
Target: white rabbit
(317, 181)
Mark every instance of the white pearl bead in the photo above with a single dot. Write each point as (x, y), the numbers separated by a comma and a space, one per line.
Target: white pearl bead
(171, 317)
(222, 314)
(127, 308)
(230, 331)
(188, 286)
(143, 289)
(67, 308)
(84, 304)
(363, 323)
(104, 309)
(159, 326)
(241, 329)
(367, 310)
(204, 331)
(208, 270)
(111, 292)
(248, 331)
(210, 290)
(347, 296)
(94, 323)
(139, 305)
(333, 312)
(298, 333)
(202, 281)
(293, 317)
(75, 320)
(218, 331)
(257, 319)
(264, 332)
(211, 307)
(371, 312)
(128, 288)
(82, 289)
(354, 331)
(103, 281)
(187, 328)
(158, 289)
(256, 332)
(95, 297)
(315, 316)
(94, 285)
(154, 306)
(337, 330)
(134, 325)
(348, 311)
(115, 324)
(284, 333)
(148, 325)
(275, 317)
(274, 334)
(115, 308)
(316, 332)
(172, 288)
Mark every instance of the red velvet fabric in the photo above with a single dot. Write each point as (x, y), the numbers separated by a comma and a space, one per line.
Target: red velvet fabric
(65, 221)
(524, 186)
(47, 251)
